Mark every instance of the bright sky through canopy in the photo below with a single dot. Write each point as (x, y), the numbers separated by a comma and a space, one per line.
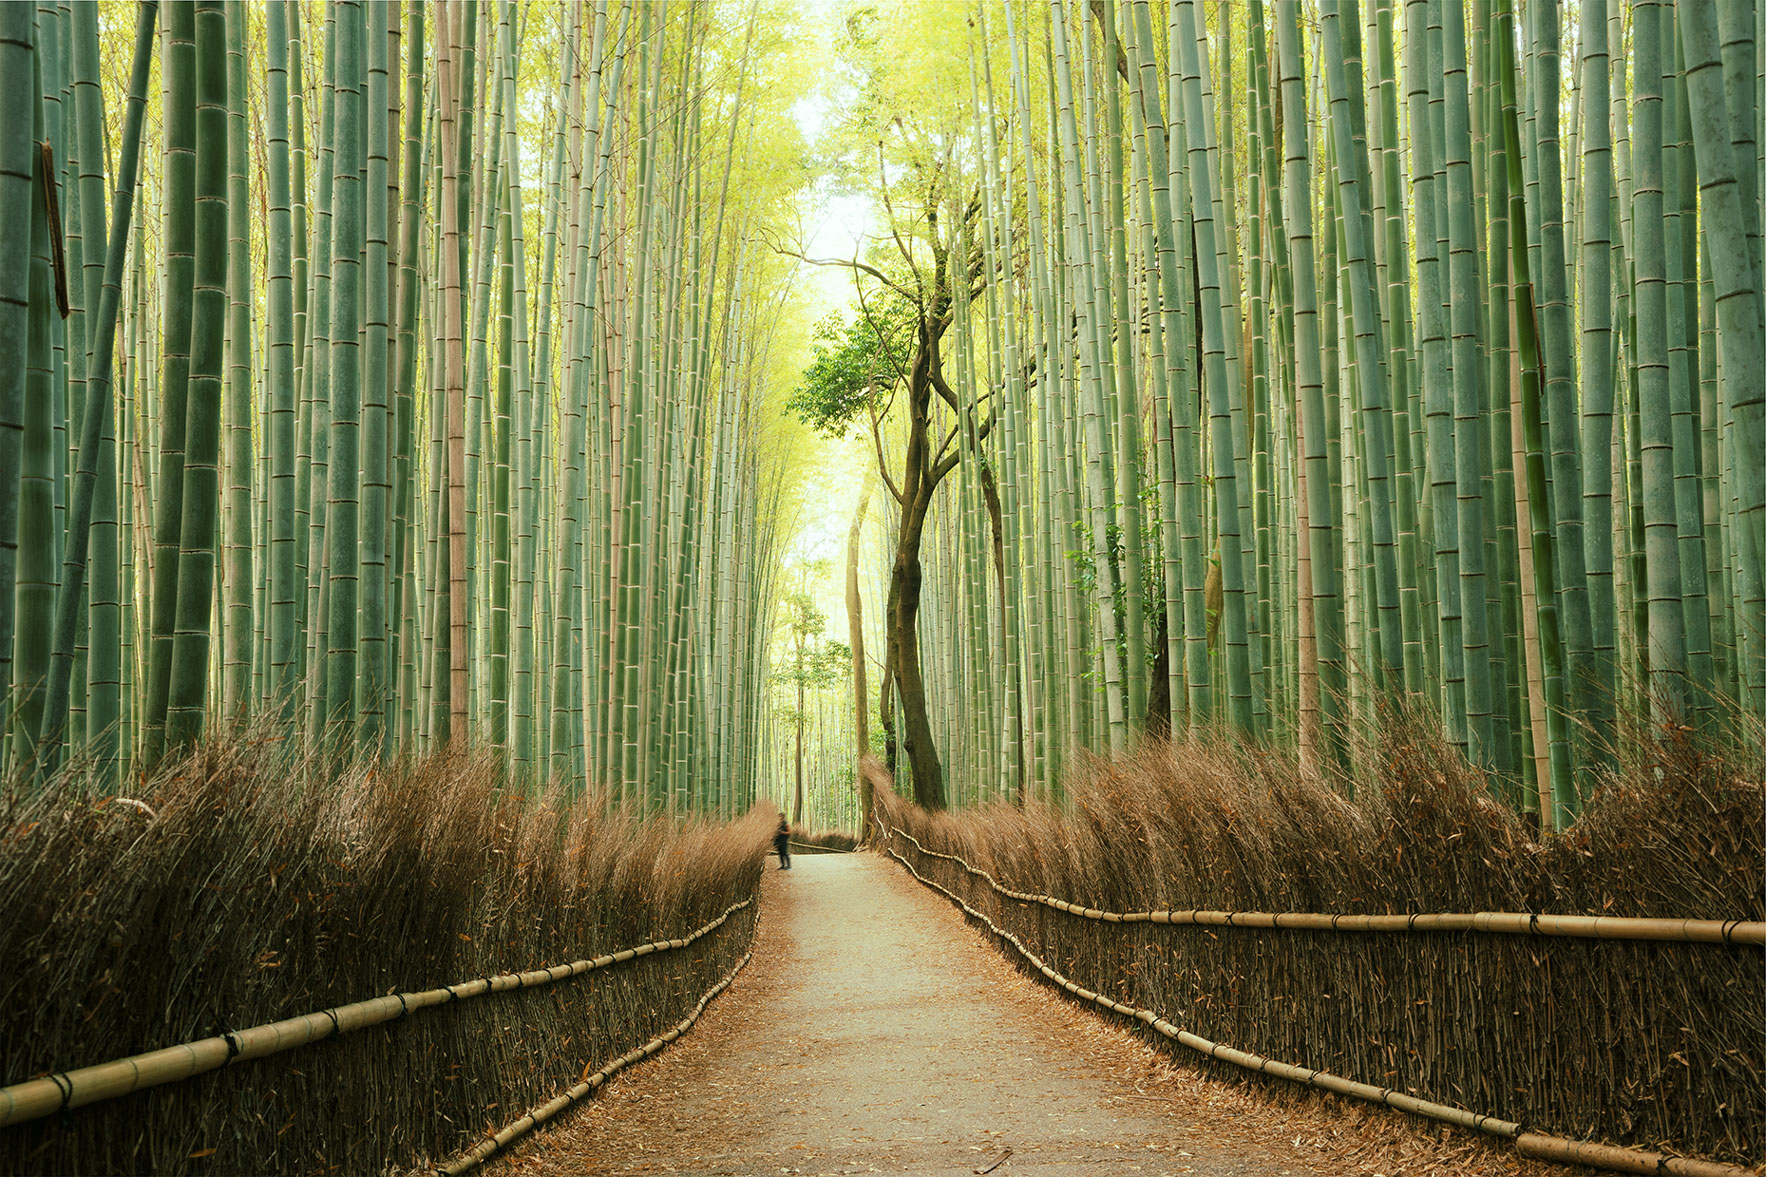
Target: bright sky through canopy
(834, 225)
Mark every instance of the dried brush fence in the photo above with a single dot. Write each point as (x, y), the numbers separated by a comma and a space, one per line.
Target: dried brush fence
(1655, 1044)
(822, 841)
(226, 895)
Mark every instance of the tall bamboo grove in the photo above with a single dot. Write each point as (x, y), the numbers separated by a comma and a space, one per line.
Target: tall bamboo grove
(404, 374)
(1319, 362)
(395, 373)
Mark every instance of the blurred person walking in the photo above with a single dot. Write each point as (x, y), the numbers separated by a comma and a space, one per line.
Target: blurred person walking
(782, 843)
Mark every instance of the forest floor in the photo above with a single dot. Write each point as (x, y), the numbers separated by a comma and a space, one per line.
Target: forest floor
(876, 1031)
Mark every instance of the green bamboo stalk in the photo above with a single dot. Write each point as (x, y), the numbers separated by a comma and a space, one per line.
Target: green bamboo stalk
(502, 442)
(343, 506)
(1539, 663)
(1560, 375)
(238, 625)
(1407, 420)
(281, 383)
(52, 64)
(1091, 382)
(98, 402)
(450, 646)
(1732, 226)
(80, 268)
(1596, 392)
(316, 393)
(189, 671)
(403, 555)
(1667, 625)
(1376, 423)
(1321, 516)
(17, 152)
(1680, 186)
(375, 484)
(1468, 457)
(34, 599)
(1220, 378)
(103, 621)
(302, 364)
(1128, 437)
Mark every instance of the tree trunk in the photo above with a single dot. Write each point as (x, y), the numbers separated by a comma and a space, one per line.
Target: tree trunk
(904, 644)
(855, 627)
(1157, 721)
(797, 803)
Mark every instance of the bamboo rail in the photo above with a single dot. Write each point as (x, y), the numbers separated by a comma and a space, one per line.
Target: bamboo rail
(1601, 1156)
(495, 1142)
(1749, 933)
(66, 1090)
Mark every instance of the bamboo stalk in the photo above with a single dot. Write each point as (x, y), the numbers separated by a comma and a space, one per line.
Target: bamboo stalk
(98, 406)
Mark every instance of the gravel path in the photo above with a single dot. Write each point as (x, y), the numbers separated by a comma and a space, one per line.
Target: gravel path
(875, 1031)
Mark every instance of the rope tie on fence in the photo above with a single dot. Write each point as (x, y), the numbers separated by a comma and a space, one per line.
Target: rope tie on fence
(1611, 1157)
(63, 1090)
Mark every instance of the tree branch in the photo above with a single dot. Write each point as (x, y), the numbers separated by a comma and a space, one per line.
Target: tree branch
(882, 461)
(877, 328)
(853, 264)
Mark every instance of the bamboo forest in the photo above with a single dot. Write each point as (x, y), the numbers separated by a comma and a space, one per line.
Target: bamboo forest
(1222, 542)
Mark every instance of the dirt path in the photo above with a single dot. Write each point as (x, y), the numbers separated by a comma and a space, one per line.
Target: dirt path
(875, 1031)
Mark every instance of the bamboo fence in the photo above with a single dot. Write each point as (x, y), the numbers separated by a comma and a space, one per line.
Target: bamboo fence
(1416, 935)
(1556, 1148)
(495, 1142)
(219, 903)
(66, 1090)
(1520, 923)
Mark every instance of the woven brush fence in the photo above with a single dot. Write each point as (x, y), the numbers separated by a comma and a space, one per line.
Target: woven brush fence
(1659, 1045)
(225, 895)
(826, 841)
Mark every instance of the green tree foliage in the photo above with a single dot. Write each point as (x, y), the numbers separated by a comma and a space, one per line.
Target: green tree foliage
(854, 365)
